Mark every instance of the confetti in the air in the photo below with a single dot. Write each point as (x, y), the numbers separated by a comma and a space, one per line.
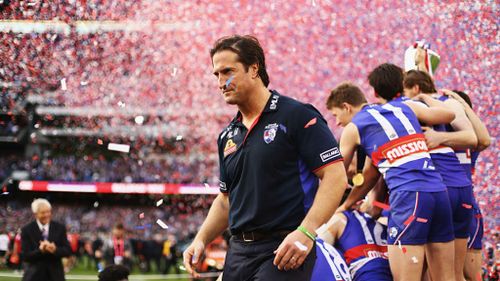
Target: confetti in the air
(63, 84)
(159, 202)
(161, 224)
(301, 246)
(414, 259)
(141, 216)
(119, 147)
(139, 119)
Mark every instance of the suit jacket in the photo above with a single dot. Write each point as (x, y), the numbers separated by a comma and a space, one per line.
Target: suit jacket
(43, 266)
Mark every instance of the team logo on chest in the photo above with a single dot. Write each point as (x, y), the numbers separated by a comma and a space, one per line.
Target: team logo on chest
(270, 132)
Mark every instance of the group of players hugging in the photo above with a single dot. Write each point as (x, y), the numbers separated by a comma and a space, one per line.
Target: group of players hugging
(411, 156)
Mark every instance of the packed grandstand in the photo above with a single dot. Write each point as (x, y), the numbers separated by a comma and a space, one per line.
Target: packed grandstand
(76, 76)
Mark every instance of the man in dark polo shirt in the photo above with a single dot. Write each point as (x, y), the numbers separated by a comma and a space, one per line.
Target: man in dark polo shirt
(281, 173)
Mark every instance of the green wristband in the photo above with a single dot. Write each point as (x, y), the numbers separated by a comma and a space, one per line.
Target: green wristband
(307, 233)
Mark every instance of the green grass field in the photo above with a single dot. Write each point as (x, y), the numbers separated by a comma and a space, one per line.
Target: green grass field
(81, 273)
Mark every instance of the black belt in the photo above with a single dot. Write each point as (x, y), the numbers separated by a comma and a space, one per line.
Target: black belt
(258, 235)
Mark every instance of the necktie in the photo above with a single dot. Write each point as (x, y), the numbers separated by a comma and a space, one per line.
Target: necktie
(45, 233)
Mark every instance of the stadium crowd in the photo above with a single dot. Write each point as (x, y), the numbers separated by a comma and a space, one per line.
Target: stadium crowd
(91, 226)
(143, 72)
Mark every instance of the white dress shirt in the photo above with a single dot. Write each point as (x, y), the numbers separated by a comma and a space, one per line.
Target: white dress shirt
(43, 226)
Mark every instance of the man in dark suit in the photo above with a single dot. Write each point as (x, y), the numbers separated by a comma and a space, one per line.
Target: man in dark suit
(44, 243)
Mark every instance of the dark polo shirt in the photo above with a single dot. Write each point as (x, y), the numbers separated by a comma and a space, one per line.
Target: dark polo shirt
(268, 169)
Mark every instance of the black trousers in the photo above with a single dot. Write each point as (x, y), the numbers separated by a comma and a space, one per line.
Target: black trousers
(254, 261)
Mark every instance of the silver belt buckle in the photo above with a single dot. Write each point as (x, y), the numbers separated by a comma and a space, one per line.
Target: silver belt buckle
(245, 239)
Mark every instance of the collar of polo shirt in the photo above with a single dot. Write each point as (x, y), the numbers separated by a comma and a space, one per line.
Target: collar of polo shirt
(272, 105)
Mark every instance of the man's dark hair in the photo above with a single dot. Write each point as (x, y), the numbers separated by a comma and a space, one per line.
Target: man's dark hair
(464, 96)
(114, 273)
(248, 50)
(420, 78)
(345, 92)
(119, 226)
(387, 80)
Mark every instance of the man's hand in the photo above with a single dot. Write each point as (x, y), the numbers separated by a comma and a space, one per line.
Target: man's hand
(432, 138)
(51, 247)
(43, 246)
(292, 252)
(192, 256)
(455, 96)
(419, 56)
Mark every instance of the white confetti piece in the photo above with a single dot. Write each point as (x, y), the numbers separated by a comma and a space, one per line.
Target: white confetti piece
(119, 147)
(301, 246)
(161, 224)
(159, 202)
(139, 120)
(63, 84)
(414, 259)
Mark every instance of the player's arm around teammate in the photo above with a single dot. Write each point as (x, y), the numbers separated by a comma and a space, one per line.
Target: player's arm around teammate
(350, 140)
(483, 136)
(419, 84)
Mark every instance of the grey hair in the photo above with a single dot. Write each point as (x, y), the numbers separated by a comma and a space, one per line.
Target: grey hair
(37, 203)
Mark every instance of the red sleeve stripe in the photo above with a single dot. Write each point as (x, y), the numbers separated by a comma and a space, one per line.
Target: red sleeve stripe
(327, 164)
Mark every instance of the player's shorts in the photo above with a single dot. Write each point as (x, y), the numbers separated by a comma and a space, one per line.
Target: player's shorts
(461, 200)
(330, 264)
(376, 269)
(418, 218)
(476, 229)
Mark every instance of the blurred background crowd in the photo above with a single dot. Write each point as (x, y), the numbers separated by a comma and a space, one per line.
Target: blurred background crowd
(139, 73)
